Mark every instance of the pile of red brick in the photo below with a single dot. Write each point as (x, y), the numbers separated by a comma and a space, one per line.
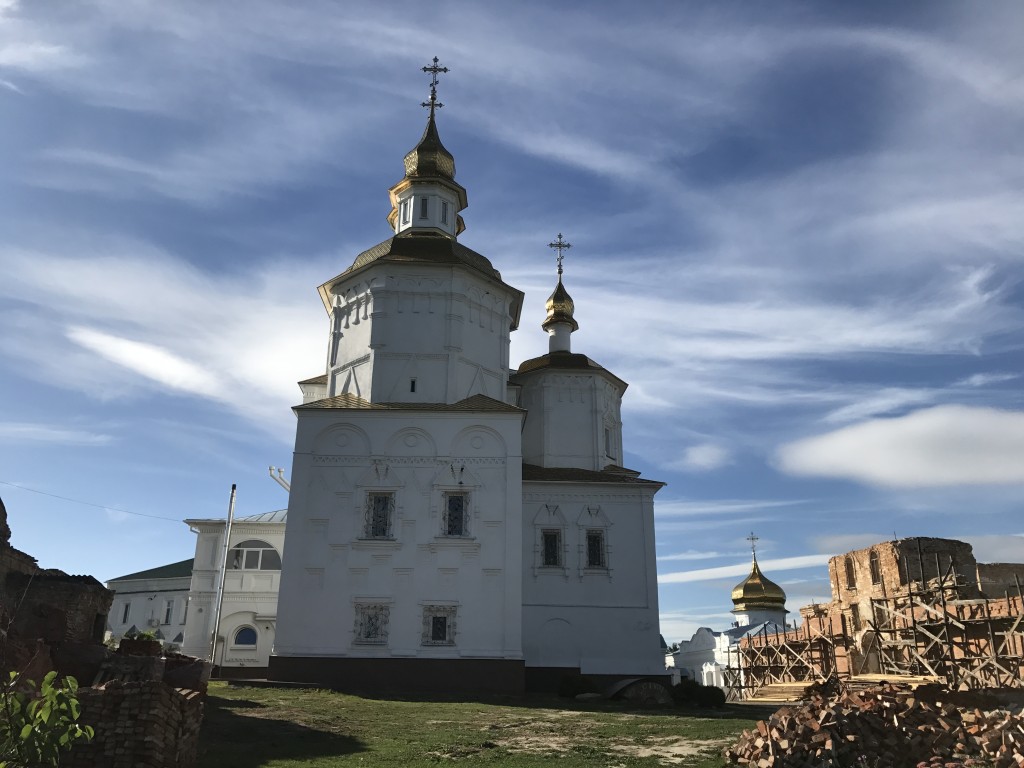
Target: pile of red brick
(140, 724)
(885, 727)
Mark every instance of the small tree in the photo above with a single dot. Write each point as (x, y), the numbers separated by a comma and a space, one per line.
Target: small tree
(37, 725)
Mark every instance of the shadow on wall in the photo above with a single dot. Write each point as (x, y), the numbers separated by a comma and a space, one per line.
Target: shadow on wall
(234, 736)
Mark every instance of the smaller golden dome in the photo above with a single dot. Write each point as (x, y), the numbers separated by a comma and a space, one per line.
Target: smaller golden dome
(429, 157)
(560, 308)
(757, 591)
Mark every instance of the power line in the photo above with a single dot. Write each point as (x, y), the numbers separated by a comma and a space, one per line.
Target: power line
(88, 503)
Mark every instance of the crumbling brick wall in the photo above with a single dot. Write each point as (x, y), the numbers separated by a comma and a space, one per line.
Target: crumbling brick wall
(997, 579)
(139, 725)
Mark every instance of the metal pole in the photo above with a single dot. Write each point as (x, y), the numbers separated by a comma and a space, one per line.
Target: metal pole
(223, 576)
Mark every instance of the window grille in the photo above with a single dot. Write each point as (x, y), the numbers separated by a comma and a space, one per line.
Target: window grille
(371, 624)
(380, 510)
(551, 553)
(596, 550)
(456, 514)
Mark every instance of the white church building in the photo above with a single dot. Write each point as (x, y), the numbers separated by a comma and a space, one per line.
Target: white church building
(759, 605)
(454, 523)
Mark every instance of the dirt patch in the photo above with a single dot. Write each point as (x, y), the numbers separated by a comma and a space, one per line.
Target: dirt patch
(670, 750)
(562, 732)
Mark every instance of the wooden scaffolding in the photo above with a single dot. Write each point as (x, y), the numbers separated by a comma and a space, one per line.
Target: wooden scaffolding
(933, 629)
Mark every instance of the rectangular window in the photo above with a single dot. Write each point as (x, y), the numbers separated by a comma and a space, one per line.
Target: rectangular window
(552, 548)
(444, 212)
(423, 207)
(380, 509)
(126, 612)
(405, 211)
(595, 550)
(851, 578)
(875, 568)
(168, 611)
(455, 514)
(412, 385)
(184, 615)
(372, 624)
(438, 625)
(855, 617)
(608, 442)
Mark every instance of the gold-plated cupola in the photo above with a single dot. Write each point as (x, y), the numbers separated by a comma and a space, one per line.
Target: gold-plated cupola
(429, 158)
(560, 307)
(757, 591)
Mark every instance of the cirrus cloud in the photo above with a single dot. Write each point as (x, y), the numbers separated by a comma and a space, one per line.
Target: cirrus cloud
(946, 445)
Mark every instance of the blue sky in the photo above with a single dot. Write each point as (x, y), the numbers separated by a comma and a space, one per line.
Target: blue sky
(798, 233)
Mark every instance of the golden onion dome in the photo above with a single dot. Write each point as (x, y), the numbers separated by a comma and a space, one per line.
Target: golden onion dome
(429, 157)
(560, 308)
(757, 591)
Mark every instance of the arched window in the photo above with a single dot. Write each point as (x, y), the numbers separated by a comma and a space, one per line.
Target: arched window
(246, 636)
(254, 555)
(851, 578)
(876, 569)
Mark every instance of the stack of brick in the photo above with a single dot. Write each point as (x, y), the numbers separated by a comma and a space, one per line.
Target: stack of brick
(144, 724)
(883, 727)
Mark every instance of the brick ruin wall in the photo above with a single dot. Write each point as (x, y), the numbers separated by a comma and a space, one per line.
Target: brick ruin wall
(1000, 579)
(139, 725)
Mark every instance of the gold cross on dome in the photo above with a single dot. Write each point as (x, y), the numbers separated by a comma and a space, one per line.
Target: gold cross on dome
(433, 70)
(560, 245)
(753, 542)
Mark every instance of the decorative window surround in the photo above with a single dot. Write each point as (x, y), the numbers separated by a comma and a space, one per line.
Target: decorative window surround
(439, 625)
(372, 622)
(244, 637)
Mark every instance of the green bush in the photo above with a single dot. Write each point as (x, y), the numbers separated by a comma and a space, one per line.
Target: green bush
(710, 696)
(37, 725)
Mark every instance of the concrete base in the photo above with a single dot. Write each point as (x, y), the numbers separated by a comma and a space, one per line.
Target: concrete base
(548, 679)
(386, 675)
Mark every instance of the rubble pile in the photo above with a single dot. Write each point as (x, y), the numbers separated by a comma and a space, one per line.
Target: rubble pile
(139, 724)
(887, 727)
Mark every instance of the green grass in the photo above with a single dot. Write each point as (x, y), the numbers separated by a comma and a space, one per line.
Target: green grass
(276, 727)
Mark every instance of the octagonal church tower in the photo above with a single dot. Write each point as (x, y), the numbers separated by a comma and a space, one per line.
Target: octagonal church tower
(403, 554)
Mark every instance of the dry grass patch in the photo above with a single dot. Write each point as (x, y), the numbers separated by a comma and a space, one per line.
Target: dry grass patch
(279, 728)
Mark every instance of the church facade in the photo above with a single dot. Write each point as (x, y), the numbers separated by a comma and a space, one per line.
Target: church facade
(454, 523)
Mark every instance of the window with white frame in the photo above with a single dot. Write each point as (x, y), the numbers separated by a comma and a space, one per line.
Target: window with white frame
(168, 611)
(456, 514)
(405, 211)
(371, 626)
(439, 625)
(245, 637)
(596, 553)
(125, 613)
(254, 555)
(423, 207)
(444, 212)
(380, 512)
(551, 548)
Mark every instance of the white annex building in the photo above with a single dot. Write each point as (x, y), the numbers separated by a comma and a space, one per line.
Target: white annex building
(759, 604)
(248, 609)
(454, 523)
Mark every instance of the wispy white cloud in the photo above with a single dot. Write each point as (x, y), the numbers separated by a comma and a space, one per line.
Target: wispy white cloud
(742, 569)
(942, 446)
(151, 361)
(18, 432)
(985, 379)
(719, 507)
(693, 554)
(703, 458)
